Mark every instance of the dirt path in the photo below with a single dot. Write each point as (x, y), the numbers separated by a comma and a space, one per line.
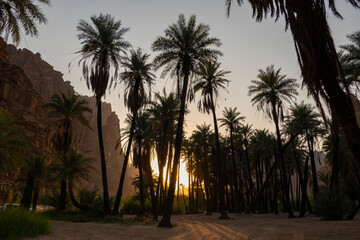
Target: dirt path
(266, 227)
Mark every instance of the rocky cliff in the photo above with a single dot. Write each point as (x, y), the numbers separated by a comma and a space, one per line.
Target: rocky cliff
(27, 82)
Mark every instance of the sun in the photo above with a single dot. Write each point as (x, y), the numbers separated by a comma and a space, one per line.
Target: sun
(184, 177)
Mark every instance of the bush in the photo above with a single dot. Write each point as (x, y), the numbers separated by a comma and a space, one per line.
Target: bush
(19, 223)
(332, 206)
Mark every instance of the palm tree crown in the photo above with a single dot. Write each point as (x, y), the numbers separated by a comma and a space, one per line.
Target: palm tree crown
(210, 82)
(19, 14)
(102, 45)
(184, 45)
(271, 89)
(136, 76)
(231, 119)
(66, 108)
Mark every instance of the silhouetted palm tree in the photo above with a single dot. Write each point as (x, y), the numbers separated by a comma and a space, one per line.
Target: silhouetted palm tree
(210, 82)
(16, 15)
(269, 92)
(185, 44)
(316, 54)
(136, 77)
(231, 121)
(102, 44)
(164, 111)
(66, 108)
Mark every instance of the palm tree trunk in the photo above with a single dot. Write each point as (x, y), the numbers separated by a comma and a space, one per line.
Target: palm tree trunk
(303, 188)
(107, 209)
(35, 198)
(127, 155)
(335, 163)
(141, 186)
(165, 221)
(123, 172)
(313, 167)
(28, 191)
(62, 202)
(237, 194)
(222, 208)
(73, 199)
(251, 183)
(148, 172)
(282, 162)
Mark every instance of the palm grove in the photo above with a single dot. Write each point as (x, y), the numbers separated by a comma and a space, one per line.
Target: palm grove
(245, 170)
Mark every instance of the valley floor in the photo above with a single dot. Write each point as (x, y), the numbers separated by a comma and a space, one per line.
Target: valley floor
(210, 227)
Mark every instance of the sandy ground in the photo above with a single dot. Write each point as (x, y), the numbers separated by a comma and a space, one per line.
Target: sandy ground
(210, 227)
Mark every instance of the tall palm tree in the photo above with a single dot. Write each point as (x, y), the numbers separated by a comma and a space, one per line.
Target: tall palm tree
(136, 77)
(270, 91)
(200, 142)
(231, 121)
(245, 133)
(185, 44)
(316, 54)
(66, 108)
(102, 43)
(164, 111)
(16, 15)
(210, 82)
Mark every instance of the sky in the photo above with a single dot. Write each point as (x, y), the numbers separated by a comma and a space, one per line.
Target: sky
(247, 46)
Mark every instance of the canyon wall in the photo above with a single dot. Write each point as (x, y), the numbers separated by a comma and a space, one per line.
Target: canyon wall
(27, 82)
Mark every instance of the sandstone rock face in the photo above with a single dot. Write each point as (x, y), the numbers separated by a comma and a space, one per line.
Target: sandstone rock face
(28, 81)
(18, 96)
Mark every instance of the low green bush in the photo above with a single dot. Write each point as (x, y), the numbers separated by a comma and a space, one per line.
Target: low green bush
(332, 206)
(20, 223)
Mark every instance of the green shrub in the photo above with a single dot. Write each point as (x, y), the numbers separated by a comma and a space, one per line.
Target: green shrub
(19, 223)
(332, 206)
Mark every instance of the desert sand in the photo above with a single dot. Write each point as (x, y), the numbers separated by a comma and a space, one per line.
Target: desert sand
(266, 227)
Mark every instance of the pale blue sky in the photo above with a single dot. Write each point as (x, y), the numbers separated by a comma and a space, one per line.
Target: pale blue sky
(247, 45)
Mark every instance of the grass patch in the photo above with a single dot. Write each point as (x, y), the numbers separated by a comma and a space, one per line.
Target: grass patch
(95, 216)
(19, 223)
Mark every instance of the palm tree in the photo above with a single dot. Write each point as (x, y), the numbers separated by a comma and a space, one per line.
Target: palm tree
(270, 91)
(316, 54)
(245, 132)
(305, 119)
(72, 168)
(19, 14)
(210, 82)
(184, 45)
(231, 121)
(66, 108)
(163, 113)
(102, 45)
(136, 76)
(200, 146)
(350, 60)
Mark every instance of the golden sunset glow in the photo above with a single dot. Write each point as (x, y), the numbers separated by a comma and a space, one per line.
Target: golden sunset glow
(183, 173)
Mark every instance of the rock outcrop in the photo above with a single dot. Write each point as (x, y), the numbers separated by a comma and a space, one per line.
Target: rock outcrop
(27, 82)
(18, 96)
